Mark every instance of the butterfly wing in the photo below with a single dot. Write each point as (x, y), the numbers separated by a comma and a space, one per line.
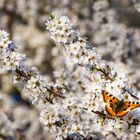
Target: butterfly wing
(111, 102)
(132, 105)
(110, 110)
(128, 105)
(108, 98)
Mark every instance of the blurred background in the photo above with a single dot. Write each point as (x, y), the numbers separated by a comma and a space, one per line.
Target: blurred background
(112, 26)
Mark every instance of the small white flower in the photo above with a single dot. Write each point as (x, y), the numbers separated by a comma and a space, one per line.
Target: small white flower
(37, 84)
(11, 60)
(4, 41)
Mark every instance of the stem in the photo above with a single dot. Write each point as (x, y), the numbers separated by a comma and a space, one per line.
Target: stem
(55, 93)
(125, 90)
(23, 74)
(100, 113)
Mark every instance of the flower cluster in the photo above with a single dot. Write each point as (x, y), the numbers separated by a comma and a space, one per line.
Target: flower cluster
(27, 77)
(83, 78)
(9, 58)
(66, 118)
(86, 56)
(59, 28)
(97, 75)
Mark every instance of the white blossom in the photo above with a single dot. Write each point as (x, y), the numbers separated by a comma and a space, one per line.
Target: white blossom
(98, 75)
(37, 84)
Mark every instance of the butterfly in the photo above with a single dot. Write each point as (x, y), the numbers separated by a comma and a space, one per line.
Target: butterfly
(117, 108)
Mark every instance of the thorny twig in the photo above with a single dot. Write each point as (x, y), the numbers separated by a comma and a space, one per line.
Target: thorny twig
(23, 74)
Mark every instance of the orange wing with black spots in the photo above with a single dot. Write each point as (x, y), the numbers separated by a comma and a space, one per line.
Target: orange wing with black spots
(132, 105)
(108, 98)
(110, 110)
(128, 105)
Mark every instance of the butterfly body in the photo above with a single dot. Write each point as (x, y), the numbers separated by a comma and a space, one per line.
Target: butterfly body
(116, 107)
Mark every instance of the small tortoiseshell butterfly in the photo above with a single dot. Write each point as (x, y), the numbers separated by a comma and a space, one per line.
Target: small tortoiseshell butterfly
(117, 108)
